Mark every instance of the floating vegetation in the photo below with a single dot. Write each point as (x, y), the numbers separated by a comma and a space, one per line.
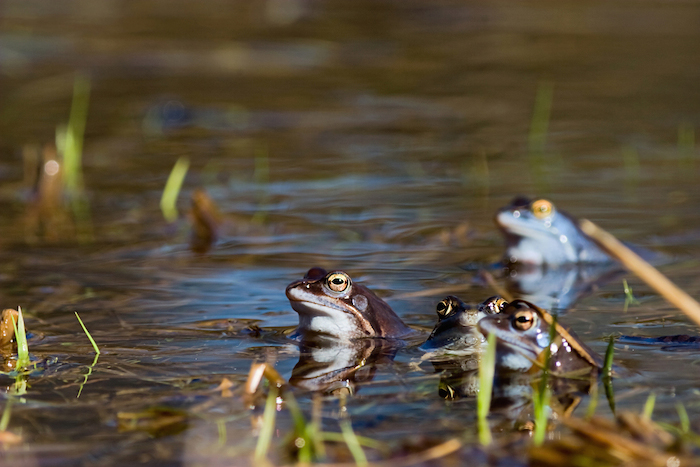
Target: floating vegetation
(168, 201)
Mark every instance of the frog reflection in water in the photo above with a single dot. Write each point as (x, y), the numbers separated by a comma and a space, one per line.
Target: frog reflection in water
(329, 303)
(455, 331)
(522, 333)
(537, 233)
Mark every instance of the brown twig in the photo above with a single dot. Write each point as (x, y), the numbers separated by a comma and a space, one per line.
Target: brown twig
(643, 270)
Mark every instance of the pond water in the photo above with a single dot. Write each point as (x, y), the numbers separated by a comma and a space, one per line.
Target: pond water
(375, 137)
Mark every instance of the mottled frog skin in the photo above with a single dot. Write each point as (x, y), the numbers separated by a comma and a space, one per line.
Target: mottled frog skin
(522, 333)
(537, 233)
(455, 331)
(331, 304)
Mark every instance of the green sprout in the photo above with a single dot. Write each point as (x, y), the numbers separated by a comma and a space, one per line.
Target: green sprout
(172, 189)
(483, 401)
(649, 406)
(607, 373)
(92, 341)
(543, 394)
(21, 337)
(629, 296)
(353, 443)
(268, 426)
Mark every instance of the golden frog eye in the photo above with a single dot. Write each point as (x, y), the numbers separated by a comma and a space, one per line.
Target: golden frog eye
(542, 208)
(444, 308)
(338, 282)
(523, 320)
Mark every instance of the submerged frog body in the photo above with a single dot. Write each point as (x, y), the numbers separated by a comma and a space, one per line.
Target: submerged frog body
(522, 333)
(537, 233)
(331, 304)
(456, 330)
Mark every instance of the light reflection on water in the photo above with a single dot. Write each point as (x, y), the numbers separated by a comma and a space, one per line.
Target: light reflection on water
(389, 146)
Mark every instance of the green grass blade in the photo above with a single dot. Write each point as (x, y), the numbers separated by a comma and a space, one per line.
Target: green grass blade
(683, 416)
(353, 444)
(541, 409)
(21, 338)
(593, 400)
(6, 412)
(609, 353)
(172, 189)
(543, 395)
(649, 406)
(304, 432)
(483, 401)
(92, 341)
(268, 426)
(75, 131)
(87, 375)
(537, 137)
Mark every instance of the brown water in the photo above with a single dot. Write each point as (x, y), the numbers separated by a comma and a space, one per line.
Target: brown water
(376, 137)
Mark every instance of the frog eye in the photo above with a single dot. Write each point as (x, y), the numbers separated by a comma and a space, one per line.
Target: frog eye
(542, 208)
(523, 320)
(444, 308)
(493, 305)
(338, 282)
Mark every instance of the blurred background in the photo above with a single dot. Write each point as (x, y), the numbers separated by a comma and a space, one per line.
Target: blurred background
(379, 137)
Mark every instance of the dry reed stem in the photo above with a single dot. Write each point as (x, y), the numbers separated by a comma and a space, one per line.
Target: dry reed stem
(491, 281)
(643, 270)
(436, 452)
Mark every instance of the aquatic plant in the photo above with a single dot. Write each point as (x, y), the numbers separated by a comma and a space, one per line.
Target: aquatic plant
(172, 189)
(21, 338)
(629, 296)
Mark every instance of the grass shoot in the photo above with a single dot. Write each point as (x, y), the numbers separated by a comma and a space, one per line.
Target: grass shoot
(543, 394)
(353, 443)
(6, 413)
(483, 401)
(629, 296)
(92, 341)
(537, 136)
(649, 406)
(172, 189)
(607, 373)
(69, 140)
(268, 426)
(21, 337)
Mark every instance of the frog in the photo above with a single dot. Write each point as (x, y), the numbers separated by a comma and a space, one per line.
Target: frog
(537, 233)
(331, 304)
(522, 333)
(455, 331)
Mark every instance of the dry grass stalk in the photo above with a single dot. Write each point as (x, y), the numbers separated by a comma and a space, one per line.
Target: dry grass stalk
(643, 270)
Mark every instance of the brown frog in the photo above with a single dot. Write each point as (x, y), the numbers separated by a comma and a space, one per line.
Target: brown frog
(331, 304)
(522, 332)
